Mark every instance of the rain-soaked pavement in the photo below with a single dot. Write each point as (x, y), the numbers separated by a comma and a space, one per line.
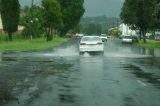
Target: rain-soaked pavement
(124, 76)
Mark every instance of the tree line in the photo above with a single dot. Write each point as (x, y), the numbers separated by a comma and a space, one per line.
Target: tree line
(52, 17)
(98, 24)
(142, 15)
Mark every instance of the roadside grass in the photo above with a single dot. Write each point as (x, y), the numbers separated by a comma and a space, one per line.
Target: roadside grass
(31, 45)
(151, 44)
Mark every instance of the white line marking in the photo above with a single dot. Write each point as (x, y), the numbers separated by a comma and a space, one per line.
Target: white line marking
(142, 83)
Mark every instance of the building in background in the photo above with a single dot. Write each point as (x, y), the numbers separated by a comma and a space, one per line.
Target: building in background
(1, 26)
(125, 30)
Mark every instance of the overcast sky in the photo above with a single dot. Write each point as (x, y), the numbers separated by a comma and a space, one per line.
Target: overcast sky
(103, 7)
(95, 7)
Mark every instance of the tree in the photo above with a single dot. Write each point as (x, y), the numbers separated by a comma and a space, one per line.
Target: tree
(156, 15)
(77, 29)
(32, 22)
(113, 32)
(93, 28)
(52, 17)
(103, 22)
(138, 14)
(72, 11)
(98, 29)
(10, 10)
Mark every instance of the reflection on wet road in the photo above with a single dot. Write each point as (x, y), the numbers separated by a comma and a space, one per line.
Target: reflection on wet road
(124, 76)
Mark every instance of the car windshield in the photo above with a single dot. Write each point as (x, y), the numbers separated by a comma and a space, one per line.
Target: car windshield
(91, 39)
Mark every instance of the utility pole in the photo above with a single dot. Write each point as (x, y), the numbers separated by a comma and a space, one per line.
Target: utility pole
(158, 11)
(31, 21)
(32, 3)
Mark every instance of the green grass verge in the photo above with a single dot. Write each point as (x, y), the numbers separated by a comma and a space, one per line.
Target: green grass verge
(31, 45)
(151, 44)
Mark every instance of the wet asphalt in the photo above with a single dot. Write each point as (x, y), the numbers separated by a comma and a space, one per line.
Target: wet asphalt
(125, 75)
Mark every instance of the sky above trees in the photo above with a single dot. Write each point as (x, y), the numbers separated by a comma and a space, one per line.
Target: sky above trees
(110, 8)
(103, 7)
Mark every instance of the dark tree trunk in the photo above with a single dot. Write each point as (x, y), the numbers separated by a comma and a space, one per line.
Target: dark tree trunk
(63, 33)
(48, 38)
(144, 37)
(49, 35)
(10, 36)
(140, 37)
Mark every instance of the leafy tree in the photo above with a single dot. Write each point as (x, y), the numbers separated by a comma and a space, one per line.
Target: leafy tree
(156, 15)
(77, 29)
(113, 32)
(93, 28)
(32, 22)
(138, 14)
(10, 10)
(52, 17)
(104, 22)
(72, 11)
(98, 29)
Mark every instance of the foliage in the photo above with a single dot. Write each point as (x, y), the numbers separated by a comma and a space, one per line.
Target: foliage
(138, 14)
(72, 11)
(93, 28)
(52, 17)
(156, 14)
(10, 10)
(151, 44)
(114, 32)
(32, 21)
(77, 29)
(105, 22)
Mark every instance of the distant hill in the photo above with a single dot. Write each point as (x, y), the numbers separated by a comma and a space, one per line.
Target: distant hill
(105, 22)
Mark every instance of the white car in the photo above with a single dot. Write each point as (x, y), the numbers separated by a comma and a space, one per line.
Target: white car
(91, 44)
(103, 37)
(127, 39)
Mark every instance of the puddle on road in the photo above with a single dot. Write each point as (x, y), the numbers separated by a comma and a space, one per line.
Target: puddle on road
(124, 55)
(55, 63)
(67, 97)
(150, 61)
(71, 51)
(128, 101)
(34, 66)
(66, 77)
(140, 73)
(6, 91)
(128, 51)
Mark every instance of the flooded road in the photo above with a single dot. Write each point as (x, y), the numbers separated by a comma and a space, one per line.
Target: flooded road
(125, 75)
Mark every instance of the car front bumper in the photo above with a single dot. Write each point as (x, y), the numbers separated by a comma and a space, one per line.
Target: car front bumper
(91, 48)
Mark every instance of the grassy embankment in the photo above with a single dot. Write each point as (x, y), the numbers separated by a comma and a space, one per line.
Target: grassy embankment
(151, 44)
(19, 44)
